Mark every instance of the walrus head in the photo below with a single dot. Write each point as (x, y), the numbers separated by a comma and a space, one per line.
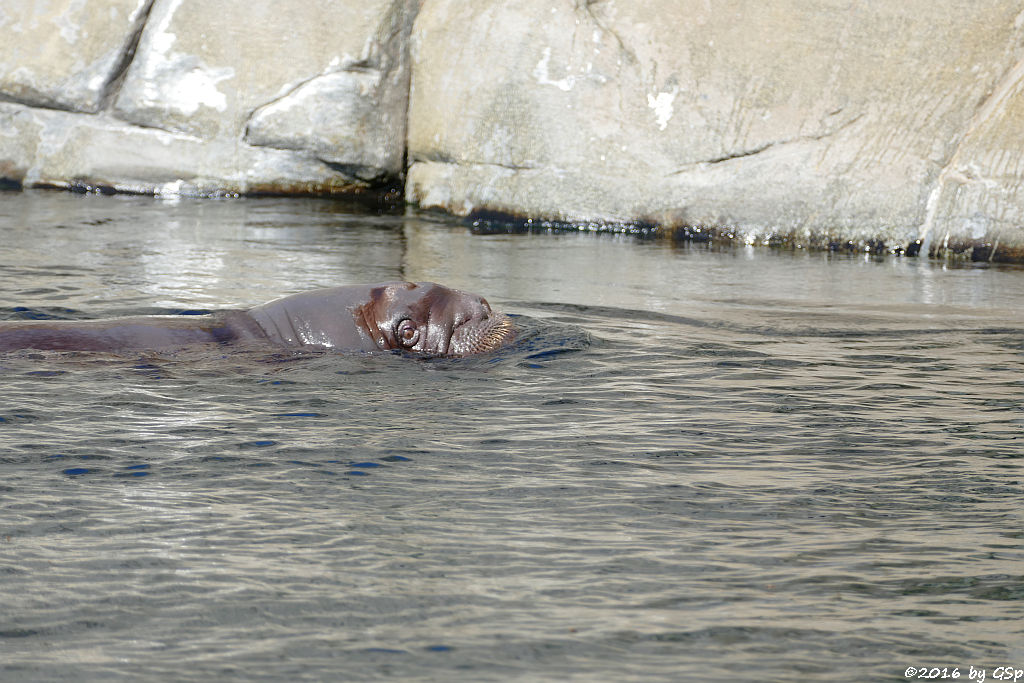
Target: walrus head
(421, 317)
(428, 318)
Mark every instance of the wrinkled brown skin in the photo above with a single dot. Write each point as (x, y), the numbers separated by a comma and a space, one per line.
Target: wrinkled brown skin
(424, 318)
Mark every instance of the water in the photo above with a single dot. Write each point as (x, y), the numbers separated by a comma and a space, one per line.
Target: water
(699, 464)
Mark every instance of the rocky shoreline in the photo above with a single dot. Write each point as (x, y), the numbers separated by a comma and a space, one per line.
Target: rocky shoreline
(875, 127)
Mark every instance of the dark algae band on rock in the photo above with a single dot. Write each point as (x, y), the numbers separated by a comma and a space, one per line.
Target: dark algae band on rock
(424, 318)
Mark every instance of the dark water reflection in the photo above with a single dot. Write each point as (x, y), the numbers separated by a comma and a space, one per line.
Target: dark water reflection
(698, 464)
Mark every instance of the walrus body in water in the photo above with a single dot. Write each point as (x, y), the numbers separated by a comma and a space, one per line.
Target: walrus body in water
(422, 317)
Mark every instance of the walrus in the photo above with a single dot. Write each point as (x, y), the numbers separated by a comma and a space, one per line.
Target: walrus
(420, 317)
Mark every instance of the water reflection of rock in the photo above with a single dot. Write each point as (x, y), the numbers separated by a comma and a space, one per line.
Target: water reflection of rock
(874, 126)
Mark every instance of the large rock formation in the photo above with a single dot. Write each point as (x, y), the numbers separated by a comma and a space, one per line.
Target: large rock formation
(812, 123)
(191, 96)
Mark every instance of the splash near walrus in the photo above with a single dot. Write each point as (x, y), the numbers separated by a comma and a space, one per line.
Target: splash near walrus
(419, 317)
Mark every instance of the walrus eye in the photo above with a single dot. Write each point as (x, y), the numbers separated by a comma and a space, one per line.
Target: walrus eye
(407, 333)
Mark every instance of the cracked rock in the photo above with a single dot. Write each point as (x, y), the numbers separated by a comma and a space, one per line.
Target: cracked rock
(342, 118)
(201, 97)
(202, 68)
(64, 54)
(803, 120)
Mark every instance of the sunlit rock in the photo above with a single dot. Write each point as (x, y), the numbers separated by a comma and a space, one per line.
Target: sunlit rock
(96, 153)
(978, 197)
(343, 118)
(883, 124)
(788, 120)
(203, 69)
(65, 54)
(205, 97)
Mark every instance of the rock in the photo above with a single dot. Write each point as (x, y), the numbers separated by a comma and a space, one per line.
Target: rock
(977, 202)
(101, 153)
(873, 124)
(304, 83)
(340, 118)
(216, 98)
(66, 54)
(811, 123)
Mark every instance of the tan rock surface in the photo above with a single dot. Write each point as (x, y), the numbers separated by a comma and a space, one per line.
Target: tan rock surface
(811, 121)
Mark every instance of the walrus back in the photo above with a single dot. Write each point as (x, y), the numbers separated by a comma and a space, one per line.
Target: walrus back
(142, 332)
(51, 338)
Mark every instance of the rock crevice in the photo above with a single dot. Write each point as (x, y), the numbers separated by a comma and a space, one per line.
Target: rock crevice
(109, 90)
(223, 98)
(745, 153)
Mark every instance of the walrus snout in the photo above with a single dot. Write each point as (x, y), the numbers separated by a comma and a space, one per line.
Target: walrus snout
(485, 331)
(483, 309)
(468, 308)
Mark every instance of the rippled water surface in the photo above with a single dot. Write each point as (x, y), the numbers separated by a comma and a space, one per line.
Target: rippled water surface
(696, 464)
